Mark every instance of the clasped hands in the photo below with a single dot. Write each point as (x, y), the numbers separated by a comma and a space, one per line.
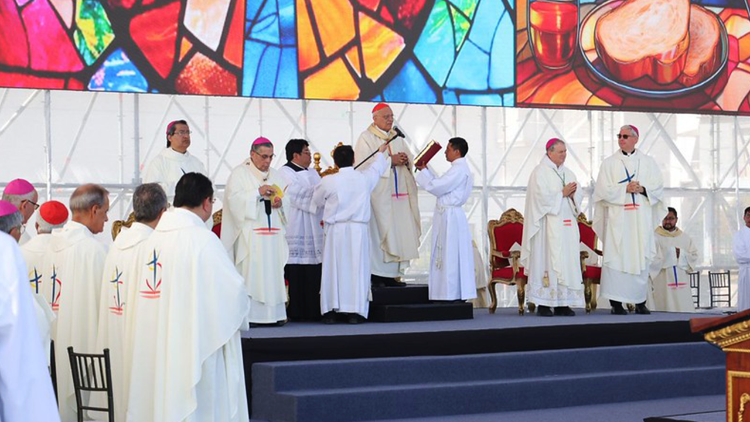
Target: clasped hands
(266, 191)
(634, 187)
(399, 159)
(570, 189)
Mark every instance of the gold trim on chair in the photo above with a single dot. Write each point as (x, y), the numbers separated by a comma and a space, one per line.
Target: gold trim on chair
(217, 217)
(119, 224)
(589, 289)
(510, 216)
(329, 170)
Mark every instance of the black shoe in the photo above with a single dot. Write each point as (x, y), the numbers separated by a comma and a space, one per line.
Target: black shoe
(280, 323)
(356, 319)
(392, 282)
(564, 311)
(377, 281)
(617, 308)
(542, 310)
(642, 309)
(329, 318)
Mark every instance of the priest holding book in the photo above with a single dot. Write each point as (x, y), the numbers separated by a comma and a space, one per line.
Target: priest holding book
(452, 260)
(395, 224)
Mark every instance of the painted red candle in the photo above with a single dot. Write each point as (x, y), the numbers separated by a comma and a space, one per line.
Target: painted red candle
(553, 28)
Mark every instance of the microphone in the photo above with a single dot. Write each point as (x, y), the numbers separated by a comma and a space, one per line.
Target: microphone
(399, 134)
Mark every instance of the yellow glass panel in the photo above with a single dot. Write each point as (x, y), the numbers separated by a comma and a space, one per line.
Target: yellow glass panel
(380, 46)
(308, 50)
(353, 57)
(333, 82)
(335, 20)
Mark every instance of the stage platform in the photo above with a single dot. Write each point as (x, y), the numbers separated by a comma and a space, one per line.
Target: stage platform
(503, 332)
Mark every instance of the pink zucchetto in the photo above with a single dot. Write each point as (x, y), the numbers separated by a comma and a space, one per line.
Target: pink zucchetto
(379, 107)
(261, 140)
(6, 208)
(635, 130)
(551, 142)
(53, 212)
(18, 187)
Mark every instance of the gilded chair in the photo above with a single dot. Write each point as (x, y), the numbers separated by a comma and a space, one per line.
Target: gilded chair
(330, 170)
(119, 224)
(216, 227)
(505, 267)
(592, 274)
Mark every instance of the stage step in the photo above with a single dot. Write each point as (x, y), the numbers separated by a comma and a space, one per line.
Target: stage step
(353, 390)
(409, 294)
(421, 312)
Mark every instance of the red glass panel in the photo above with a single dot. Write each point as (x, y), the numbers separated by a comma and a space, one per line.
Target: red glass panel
(13, 43)
(204, 76)
(51, 47)
(233, 49)
(155, 32)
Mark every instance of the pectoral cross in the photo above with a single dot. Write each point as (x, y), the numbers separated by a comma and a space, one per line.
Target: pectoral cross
(629, 179)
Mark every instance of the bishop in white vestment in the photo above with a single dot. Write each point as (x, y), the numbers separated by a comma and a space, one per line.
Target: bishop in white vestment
(452, 260)
(119, 283)
(26, 389)
(304, 234)
(741, 250)
(345, 200)
(550, 253)
(676, 256)
(253, 232)
(174, 160)
(395, 225)
(24, 196)
(629, 206)
(73, 266)
(190, 307)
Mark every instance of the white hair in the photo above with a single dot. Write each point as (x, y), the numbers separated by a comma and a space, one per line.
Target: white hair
(629, 129)
(10, 222)
(17, 199)
(45, 227)
(86, 196)
(552, 147)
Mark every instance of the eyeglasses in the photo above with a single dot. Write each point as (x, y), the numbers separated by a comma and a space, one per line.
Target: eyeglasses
(265, 156)
(36, 206)
(183, 132)
(620, 136)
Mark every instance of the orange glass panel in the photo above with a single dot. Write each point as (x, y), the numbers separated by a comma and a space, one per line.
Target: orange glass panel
(333, 82)
(353, 57)
(596, 102)
(380, 46)
(233, 49)
(335, 19)
(564, 89)
(735, 91)
(737, 26)
(370, 4)
(308, 50)
(185, 46)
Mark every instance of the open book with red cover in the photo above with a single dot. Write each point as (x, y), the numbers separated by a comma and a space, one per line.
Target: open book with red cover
(427, 153)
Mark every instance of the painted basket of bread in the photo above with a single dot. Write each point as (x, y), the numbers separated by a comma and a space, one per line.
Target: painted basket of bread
(654, 48)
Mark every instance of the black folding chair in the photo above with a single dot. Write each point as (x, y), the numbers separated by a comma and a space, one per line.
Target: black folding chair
(720, 288)
(695, 288)
(92, 373)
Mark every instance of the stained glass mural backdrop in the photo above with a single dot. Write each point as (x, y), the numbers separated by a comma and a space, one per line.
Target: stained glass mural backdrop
(697, 57)
(423, 51)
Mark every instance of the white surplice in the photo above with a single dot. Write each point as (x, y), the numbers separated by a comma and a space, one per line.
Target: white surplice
(119, 285)
(73, 265)
(303, 232)
(395, 226)
(25, 384)
(625, 223)
(189, 307)
(452, 260)
(669, 278)
(345, 199)
(741, 250)
(167, 168)
(34, 252)
(256, 244)
(550, 248)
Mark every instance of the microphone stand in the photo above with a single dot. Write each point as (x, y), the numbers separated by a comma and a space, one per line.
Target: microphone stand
(398, 134)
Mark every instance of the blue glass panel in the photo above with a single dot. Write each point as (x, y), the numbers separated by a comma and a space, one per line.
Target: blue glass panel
(470, 69)
(512, 4)
(449, 97)
(118, 73)
(509, 99)
(435, 48)
(409, 86)
(287, 84)
(502, 59)
(481, 99)
(286, 18)
(251, 8)
(736, 4)
(269, 9)
(253, 53)
(267, 29)
(378, 98)
(485, 23)
(468, 7)
(265, 83)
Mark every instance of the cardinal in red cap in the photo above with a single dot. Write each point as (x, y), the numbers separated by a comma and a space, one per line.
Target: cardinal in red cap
(52, 215)
(172, 162)
(22, 194)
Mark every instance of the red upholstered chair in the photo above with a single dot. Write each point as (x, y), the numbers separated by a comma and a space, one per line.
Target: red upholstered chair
(591, 274)
(217, 222)
(504, 263)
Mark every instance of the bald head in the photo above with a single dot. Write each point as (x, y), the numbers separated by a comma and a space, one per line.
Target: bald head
(90, 204)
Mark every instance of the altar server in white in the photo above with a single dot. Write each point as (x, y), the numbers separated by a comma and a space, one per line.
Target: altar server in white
(629, 207)
(304, 235)
(174, 160)
(676, 256)
(26, 388)
(73, 267)
(190, 307)
(741, 249)
(452, 260)
(395, 225)
(52, 215)
(253, 232)
(345, 199)
(119, 285)
(550, 252)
